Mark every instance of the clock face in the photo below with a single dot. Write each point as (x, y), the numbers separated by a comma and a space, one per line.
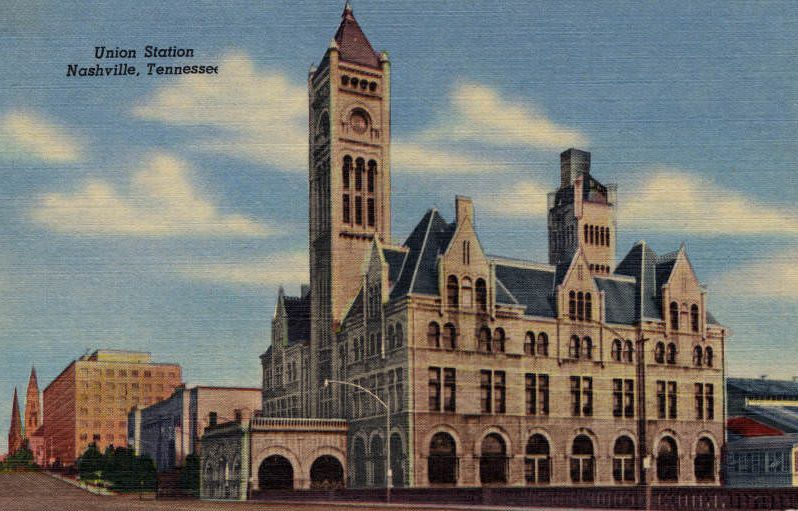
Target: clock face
(358, 121)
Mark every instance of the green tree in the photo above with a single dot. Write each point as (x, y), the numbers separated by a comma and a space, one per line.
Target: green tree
(91, 463)
(20, 460)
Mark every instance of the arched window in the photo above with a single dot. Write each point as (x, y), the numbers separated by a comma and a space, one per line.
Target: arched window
(433, 335)
(582, 460)
(587, 348)
(529, 343)
(617, 350)
(694, 318)
(704, 463)
(442, 461)
(592, 235)
(482, 295)
(698, 356)
(580, 306)
(607, 238)
(659, 353)
(670, 354)
(537, 462)
(359, 462)
(466, 292)
(377, 461)
(484, 339)
(449, 336)
(543, 345)
(667, 460)
(587, 237)
(346, 171)
(493, 460)
(628, 351)
(390, 339)
(360, 167)
(573, 348)
(623, 460)
(588, 307)
(399, 335)
(674, 316)
(372, 176)
(498, 340)
(452, 291)
(572, 305)
(709, 357)
(601, 235)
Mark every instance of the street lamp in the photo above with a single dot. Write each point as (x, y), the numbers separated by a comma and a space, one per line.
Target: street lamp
(388, 471)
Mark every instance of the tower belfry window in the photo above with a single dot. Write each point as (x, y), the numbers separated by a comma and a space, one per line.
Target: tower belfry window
(372, 175)
(359, 169)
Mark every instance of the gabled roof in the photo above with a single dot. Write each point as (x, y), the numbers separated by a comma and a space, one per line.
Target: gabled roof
(748, 427)
(641, 263)
(394, 259)
(533, 288)
(419, 273)
(619, 304)
(352, 42)
(764, 388)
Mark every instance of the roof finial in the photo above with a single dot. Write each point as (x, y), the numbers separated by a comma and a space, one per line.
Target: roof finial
(347, 9)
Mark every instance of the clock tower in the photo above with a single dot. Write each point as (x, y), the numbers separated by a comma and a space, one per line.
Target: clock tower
(349, 184)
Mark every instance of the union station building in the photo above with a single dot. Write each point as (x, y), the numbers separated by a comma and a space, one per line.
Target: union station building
(469, 369)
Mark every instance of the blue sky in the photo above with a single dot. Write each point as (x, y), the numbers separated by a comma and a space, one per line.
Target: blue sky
(161, 213)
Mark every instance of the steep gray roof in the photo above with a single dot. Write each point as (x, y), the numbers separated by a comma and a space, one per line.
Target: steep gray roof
(620, 299)
(394, 259)
(641, 263)
(759, 387)
(765, 442)
(530, 287)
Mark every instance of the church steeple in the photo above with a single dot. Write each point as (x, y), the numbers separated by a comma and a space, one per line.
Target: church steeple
(15, 430)
(33, 412)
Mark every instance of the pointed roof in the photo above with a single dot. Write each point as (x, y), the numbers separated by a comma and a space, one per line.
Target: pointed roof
(641, 263)
(32, 381)
(15, 430)
(352, 42)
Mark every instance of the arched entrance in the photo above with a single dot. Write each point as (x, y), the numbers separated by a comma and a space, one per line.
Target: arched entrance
(442, 461)
(397, 465)
(493, 461)
(623, 460)
(359, 462)
(704, 463)
(667, 460)
(377, 461)
(276, 473)
(327, 473)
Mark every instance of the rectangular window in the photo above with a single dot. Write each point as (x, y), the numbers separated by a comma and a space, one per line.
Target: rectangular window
(709, 392)
(500, 391)
(399, 389)
(435, 389)
(346, 206)
(661, 399)
(543, 393)
(370, 211)
(576, 397)
(531, 394)
(358, 210)
(449, 390)
(672, 400)
(617, 397)
(699, 401)
(485, 388)
(629, 398)
(587, 396)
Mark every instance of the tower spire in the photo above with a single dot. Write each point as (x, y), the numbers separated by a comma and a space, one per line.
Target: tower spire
(15, 430)
(33, 414)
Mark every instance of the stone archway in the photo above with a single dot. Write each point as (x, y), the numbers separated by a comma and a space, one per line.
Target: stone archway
(326, 473)
(276, 473)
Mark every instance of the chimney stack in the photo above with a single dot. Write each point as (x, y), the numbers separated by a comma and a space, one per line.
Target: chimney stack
(573, 163)
(464, 207)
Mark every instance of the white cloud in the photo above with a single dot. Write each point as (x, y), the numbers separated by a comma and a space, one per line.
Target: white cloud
(260, 115)
(160, 201)
(411, 157)
(28, 134)
(523, 198)
(481, 114)
(282, 268)
(673, 200)
(774, 276)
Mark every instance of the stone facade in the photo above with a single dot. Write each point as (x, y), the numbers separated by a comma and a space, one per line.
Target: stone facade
(262, 453)
(495, 371)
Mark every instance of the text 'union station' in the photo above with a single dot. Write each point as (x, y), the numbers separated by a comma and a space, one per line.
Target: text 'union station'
(461, 368)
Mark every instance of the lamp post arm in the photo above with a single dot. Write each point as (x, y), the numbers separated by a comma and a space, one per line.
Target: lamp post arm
(359, 387)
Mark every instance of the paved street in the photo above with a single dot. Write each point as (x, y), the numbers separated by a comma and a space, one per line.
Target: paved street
(40, 492)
